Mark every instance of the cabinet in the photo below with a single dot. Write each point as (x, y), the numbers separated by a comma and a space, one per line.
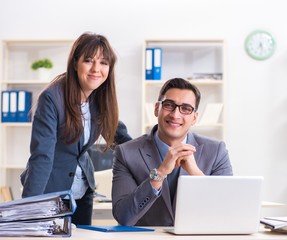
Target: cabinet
(16, 74)
(202, 63)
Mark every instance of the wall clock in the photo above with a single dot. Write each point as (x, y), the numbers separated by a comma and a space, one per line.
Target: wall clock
(260, 45)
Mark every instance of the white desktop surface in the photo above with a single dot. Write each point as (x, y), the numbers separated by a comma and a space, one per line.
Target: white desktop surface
(102, 212)
(158, 234)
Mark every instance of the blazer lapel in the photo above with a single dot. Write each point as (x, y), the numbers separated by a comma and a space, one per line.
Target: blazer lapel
(153, 160)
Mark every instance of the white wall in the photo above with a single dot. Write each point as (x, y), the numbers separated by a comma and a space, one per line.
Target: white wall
(257, 112)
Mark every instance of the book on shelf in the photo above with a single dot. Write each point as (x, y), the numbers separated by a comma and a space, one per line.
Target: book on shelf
(42, 215)
(211, 113)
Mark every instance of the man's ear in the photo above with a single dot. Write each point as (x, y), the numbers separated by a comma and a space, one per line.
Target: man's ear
(195, 116)
(156, 109)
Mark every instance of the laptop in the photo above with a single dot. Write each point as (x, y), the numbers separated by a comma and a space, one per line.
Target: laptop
(217, 205)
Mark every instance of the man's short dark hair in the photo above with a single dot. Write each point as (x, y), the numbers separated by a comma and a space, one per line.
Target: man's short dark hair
(180, 83)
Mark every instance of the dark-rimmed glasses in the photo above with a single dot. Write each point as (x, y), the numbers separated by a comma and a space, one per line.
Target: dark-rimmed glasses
(169, 105)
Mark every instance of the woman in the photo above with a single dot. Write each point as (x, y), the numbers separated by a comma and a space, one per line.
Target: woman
(72, 113)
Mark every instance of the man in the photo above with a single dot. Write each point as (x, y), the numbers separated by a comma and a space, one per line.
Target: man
(146, 169)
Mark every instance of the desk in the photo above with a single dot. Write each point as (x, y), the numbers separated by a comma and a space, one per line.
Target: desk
(81, 234)
(102, 214)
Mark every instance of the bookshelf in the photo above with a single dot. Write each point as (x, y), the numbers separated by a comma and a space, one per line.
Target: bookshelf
(199, 61)
(16, 74)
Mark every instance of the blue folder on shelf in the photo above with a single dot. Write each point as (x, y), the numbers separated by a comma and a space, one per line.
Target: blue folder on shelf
(157, 62)
(9, 106)
(5, 106)
(24, 106)
(149, 64)
(115, 228)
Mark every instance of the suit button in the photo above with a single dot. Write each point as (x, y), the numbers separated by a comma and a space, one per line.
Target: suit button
(71, 174)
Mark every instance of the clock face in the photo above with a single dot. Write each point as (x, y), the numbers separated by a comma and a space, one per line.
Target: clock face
(260, 45)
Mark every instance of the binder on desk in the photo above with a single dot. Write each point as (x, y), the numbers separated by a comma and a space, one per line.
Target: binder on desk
(149, 64)
(50, 227)
(24, 106)
(9, 106)
(157, 62)
(25, 216)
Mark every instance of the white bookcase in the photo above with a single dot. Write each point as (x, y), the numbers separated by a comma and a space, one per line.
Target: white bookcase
(201, 62)
(16, 74)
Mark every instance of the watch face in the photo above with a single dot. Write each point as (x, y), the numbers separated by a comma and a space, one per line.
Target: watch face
(153, 174)
(260, 45)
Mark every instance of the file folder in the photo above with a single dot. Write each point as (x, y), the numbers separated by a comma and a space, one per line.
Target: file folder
(13, 106)
(157, 63)
(5, 99)
(24, 106)
(9, 106)
(149, 64)
(115, 228)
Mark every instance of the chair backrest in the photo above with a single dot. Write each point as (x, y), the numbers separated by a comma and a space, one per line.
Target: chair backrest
(104, 182)
(101, 160)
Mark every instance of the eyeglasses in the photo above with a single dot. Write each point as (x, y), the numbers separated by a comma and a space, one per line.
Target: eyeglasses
(169, 105)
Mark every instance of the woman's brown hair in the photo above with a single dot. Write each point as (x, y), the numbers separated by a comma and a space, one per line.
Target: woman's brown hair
(104, 97)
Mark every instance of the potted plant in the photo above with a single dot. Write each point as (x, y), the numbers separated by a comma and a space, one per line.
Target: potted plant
(42, 63)
(42, 66)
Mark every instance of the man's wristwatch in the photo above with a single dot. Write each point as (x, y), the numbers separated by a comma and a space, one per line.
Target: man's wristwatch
(153, 175)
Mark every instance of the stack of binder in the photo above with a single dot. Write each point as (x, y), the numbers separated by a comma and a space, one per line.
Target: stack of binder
(153, 63)
(15, 106)
(46, 215)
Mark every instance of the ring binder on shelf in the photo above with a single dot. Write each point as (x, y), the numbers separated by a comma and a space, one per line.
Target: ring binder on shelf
(149, 64)
(9, 106)
(24, 106)
(153, 63)
(157, 52)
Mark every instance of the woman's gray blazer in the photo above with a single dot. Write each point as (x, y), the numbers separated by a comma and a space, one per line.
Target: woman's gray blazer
(52, 163)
